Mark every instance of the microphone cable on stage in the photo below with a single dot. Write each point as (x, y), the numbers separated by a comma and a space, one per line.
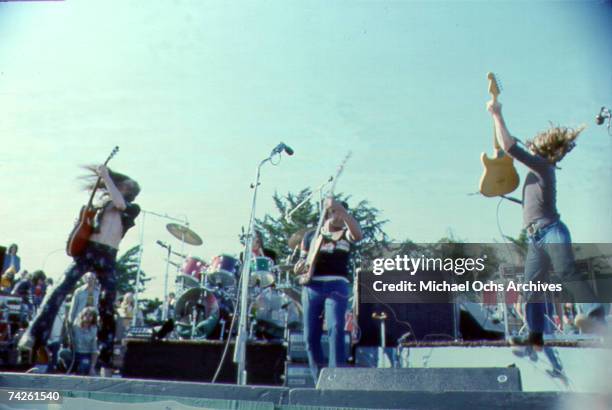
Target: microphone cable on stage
(229, 332)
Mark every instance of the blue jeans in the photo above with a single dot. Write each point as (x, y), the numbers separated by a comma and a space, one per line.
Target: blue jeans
(97, 258)
(551, 247)
(330, 297)
(83, 363)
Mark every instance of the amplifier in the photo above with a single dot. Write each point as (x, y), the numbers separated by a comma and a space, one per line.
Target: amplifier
(298, 375)
(139, 332)
(296, 346)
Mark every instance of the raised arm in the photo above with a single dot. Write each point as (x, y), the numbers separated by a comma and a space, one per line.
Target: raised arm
(505, 140)
(354, 230)
(111, 188)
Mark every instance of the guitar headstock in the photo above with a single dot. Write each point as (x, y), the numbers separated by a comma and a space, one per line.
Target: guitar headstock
(343, 163)
(112, 154)
(494, 86)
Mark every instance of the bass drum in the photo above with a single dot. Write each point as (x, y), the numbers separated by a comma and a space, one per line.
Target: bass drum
(274, 309)
(197, 312)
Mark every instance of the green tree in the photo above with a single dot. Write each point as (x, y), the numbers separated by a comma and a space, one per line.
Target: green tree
(277, 230)
(126, 272)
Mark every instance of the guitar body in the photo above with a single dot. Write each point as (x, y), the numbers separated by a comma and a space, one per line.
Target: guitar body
(78, 238)
(499, 176)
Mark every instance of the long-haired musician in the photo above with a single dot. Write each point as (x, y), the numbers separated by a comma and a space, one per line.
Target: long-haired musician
(114, 217)
(549, 238)
(327, 291)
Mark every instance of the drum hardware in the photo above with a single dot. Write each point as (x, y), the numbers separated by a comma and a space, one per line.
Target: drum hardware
(184, 234)
(221, 335)
(144, 214)
(180, 255)
(165, 306)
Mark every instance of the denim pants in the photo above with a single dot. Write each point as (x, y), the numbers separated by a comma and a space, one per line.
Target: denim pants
(550, 248)
(330, 297)
(83, 363)
(96, 258)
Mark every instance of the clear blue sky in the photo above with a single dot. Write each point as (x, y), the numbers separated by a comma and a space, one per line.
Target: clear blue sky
(196, 93)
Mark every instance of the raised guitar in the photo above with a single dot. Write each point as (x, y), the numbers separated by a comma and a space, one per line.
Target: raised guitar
(78, 238)
(317, 239)
(499, 176)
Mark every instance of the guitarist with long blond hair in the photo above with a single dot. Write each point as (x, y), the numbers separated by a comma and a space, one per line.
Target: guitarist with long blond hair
(113, 218)
(549, 239)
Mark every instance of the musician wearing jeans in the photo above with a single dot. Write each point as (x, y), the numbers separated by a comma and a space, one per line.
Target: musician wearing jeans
(549, 239)
(327, 291)
(114, 217)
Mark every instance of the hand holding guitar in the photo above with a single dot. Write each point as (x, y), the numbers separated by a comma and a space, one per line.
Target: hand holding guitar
(494, 107)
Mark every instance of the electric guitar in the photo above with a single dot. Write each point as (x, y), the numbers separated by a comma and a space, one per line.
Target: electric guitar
(499, 176)
(78, 238)
(317, 239)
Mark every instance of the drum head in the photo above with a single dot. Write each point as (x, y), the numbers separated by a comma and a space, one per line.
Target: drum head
(195, 297)
(274, 308)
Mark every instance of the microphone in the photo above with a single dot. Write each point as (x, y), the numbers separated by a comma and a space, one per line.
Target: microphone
(282, 147)
(163, 244)
(602, 115)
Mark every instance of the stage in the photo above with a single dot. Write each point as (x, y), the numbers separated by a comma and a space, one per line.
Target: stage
(436, 377)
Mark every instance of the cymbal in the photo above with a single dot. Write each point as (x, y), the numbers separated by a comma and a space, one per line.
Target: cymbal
(184, 234)
(296, 238)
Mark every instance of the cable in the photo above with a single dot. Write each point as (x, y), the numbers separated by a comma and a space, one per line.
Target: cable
(229, 333)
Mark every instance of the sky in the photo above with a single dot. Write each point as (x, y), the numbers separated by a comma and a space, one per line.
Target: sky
(196, 93)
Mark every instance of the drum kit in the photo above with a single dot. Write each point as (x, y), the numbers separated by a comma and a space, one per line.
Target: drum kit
(207, 293)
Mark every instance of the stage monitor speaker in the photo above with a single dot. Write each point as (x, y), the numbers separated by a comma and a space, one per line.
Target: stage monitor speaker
(424, 321)
(198, 360)
(499, 379)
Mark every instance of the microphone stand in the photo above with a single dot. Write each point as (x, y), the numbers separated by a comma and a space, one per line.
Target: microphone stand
(140, 251)
(241, 338)
(165, 308)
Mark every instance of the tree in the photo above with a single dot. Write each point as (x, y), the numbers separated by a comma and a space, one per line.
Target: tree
(276, 229)
(126, 271)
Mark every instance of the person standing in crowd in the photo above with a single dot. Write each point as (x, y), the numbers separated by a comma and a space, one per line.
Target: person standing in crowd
(114, 217)
(87, 295)
(6, 283)
(327, 290)
(85, 341)
(126, 310)
(39, 288)
(23, 289)
(550, 244)
(11, 259)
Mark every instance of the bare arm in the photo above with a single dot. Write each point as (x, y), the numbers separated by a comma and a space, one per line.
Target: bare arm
(505, 140)
(111, 188)
(354, 230)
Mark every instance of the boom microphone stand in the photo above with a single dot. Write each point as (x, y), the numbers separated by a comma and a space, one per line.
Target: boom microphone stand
(243, 333)
(140, 251)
